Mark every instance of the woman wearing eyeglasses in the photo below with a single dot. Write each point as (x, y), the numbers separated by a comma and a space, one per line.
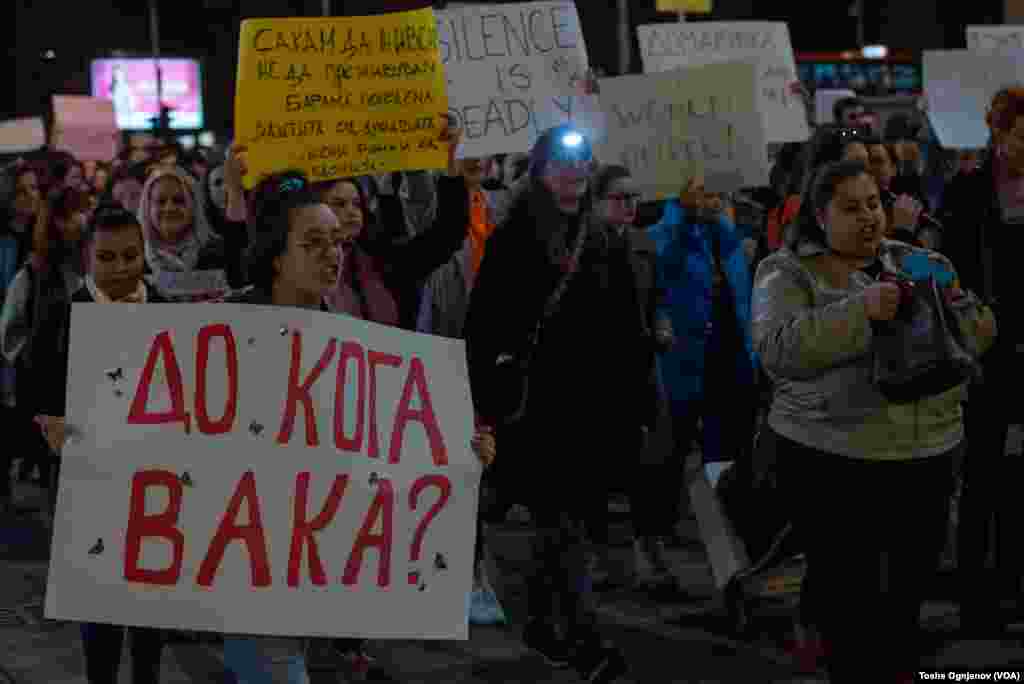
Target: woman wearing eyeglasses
(549, 262)
(616, 199)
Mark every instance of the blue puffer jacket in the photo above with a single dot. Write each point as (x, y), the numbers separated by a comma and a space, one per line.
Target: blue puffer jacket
(686, 271)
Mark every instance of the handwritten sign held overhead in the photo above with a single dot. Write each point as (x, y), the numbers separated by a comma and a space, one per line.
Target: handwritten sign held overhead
(21, 135)
(995, 38)
(264, 471)
(515, 70)
(701, 6)
(86, 127)
(672, 126)
(338, 97)
(959, 85)
(673, 46)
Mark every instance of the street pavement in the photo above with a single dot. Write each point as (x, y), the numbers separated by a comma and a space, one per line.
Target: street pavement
(685, 637)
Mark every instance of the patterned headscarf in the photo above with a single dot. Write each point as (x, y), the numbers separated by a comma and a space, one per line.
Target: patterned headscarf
(184, 254)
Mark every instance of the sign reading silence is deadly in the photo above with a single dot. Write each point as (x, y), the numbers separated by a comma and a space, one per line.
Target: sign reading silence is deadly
(264, 471)
(513, 71)
(337, 97)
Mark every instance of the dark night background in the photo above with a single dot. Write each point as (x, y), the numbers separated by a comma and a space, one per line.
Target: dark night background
(81, 30)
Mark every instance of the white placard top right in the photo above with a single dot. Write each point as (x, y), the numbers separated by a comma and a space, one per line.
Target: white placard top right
(673, 46)
(959, 85)
(995, 38)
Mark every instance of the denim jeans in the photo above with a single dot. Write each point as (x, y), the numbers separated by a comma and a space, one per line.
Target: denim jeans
(266, 660)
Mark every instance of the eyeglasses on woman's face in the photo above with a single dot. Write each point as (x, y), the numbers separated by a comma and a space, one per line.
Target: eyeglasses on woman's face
(321, 245)
(627, 199)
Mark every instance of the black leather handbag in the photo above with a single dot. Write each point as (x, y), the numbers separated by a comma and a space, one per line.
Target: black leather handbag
(921, 353)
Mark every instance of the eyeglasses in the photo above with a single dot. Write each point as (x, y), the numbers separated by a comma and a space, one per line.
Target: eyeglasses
(626, 198)
(322, 246)
(584, 165)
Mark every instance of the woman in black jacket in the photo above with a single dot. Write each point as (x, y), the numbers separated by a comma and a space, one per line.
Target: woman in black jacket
(584, 411)
(984, 217)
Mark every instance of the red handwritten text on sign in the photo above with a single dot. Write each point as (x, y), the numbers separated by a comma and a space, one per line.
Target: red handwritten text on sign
(297, 394)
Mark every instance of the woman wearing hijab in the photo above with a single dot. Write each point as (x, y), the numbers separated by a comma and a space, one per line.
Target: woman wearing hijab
(180, 243)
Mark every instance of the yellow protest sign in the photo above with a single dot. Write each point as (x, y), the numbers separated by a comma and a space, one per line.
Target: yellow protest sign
(341, 96)
(698, 6)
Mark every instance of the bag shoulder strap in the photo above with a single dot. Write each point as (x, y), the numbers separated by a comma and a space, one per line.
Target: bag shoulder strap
(563, 283)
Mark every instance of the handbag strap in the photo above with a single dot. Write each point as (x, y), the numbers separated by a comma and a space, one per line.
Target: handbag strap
(563, 283)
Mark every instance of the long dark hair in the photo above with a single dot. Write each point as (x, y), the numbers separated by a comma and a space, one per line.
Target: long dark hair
(819, 193)
(606, 175)
(825, 147)
(48, 247)
(270, 225)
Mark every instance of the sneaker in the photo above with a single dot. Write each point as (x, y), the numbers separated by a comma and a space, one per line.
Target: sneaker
(518, 515)
(600, 663)
(648, 568)
(597, 568)
(542, 638)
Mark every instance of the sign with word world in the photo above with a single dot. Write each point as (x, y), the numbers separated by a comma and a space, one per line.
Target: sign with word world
(263, 470)
(701, 122)
(515, 70)
(337, 97)
(673, 46)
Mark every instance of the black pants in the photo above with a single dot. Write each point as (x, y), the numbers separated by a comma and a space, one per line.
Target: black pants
(558, 587)
(989, 505)
(103, 644)
(653, 500)
(873, 533)
(22, 437)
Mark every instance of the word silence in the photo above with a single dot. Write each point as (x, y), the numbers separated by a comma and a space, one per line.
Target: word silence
(302, 464)
(305, 83)
(513, 71)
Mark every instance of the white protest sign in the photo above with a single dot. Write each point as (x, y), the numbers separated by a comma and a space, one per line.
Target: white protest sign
(959, 85)
(21, 135)
(514, 71)
(995, 38)
(670, 126)
(190, 284)
(260, 470)
(824, 101)
(672, 46)
(86, 127)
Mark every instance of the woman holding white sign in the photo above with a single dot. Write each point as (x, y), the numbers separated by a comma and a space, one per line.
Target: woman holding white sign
(295, 261)
(114, 251)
